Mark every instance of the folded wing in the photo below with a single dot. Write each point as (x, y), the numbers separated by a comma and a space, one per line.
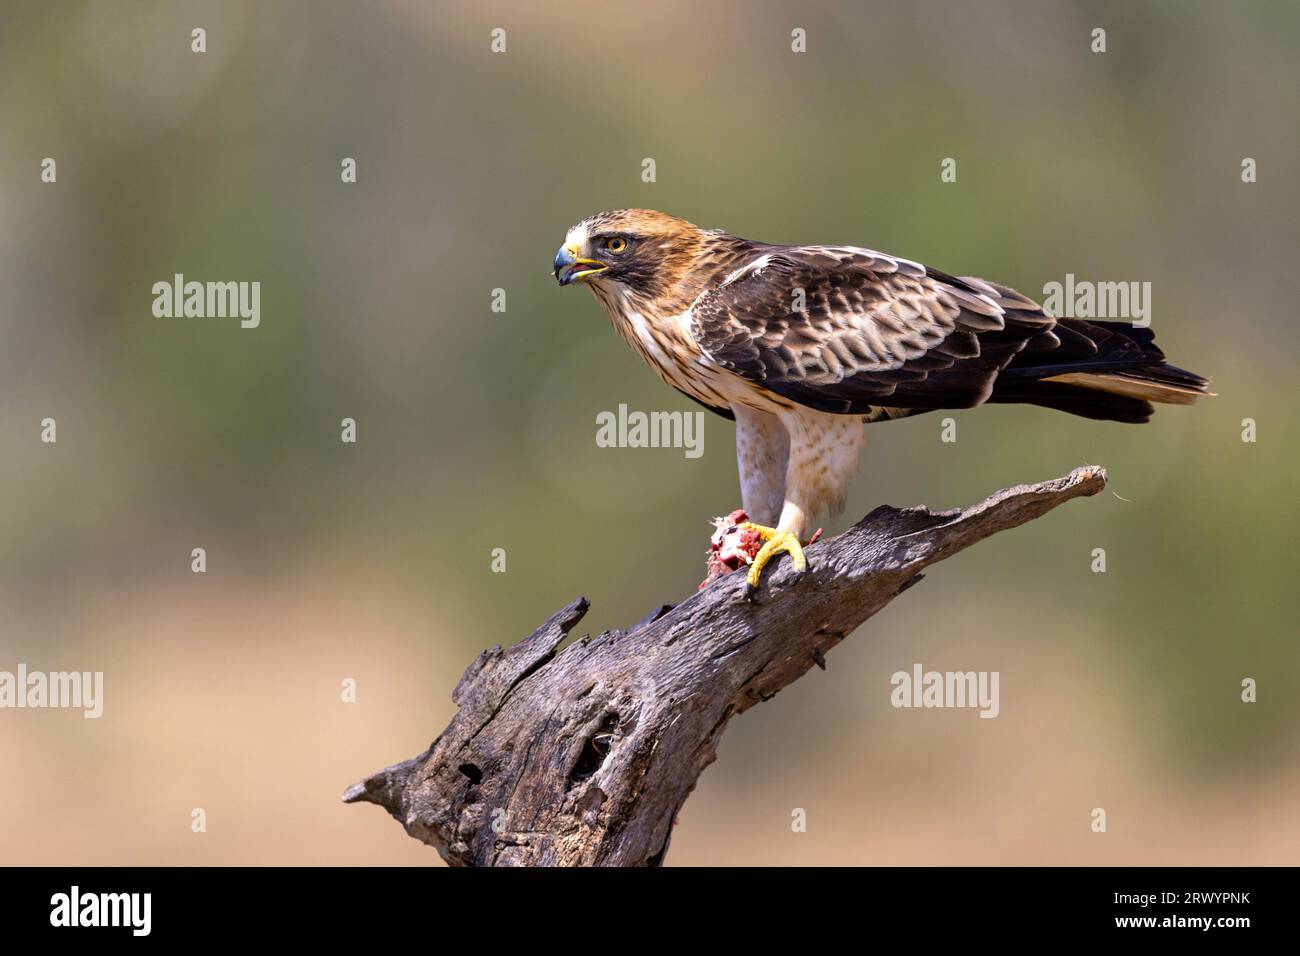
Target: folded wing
(843, 330)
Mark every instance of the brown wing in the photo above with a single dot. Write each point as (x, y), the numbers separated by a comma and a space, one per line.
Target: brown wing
(867, 330)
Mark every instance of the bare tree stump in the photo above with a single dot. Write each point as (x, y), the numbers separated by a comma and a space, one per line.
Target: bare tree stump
(584, 758)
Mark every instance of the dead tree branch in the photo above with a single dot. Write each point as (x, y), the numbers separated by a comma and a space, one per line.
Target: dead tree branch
(585, 757)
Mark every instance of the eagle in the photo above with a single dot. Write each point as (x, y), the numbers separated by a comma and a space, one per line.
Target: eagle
(803, 345)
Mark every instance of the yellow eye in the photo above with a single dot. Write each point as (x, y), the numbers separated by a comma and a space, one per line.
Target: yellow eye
(616, 244)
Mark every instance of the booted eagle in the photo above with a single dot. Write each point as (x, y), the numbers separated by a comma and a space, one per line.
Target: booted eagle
(802, 345)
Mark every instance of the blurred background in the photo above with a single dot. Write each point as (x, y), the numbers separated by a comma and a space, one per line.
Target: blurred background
(476, 430)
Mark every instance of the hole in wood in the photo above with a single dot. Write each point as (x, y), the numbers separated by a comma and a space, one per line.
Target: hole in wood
(595, 750)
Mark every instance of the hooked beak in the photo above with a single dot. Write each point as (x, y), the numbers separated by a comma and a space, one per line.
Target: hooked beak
(570, 267)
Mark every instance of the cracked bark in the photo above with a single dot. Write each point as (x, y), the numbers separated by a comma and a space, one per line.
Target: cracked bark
(583, 758)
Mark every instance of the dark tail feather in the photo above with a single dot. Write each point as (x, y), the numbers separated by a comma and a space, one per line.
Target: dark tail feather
(1076, 400)
(1103, 370)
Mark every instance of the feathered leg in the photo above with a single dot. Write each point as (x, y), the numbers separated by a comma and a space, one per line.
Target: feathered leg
(762, 456)
(824, 451)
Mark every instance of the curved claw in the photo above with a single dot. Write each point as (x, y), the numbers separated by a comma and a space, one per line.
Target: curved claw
(775, 542)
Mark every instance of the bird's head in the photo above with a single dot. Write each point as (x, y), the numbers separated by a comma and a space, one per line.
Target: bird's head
(643, 250)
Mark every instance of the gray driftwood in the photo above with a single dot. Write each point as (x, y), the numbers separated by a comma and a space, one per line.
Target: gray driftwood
(585, 757)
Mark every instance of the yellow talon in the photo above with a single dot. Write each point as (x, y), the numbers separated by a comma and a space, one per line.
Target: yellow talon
(774, 542)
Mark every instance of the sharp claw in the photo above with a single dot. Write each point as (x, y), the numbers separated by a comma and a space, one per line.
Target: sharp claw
(750, 591)
(799, 576)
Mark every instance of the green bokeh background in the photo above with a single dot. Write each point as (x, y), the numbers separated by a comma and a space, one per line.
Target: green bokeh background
(476, 429)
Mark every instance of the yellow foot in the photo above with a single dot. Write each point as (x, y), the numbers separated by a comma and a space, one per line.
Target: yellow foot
(774, 542)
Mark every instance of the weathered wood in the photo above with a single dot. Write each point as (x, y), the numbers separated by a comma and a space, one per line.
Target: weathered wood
(585, 757)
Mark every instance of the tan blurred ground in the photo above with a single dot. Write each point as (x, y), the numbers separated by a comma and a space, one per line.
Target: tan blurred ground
(229, 700)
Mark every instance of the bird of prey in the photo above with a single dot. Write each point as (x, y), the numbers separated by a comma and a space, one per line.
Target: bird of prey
(802, 345)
